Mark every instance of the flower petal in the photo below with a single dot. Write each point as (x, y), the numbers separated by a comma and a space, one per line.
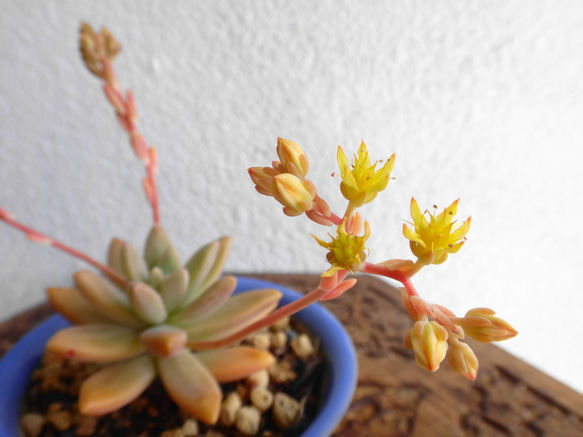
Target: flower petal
(190, 384)
(115, 386)
(235, 363)
(100, 343)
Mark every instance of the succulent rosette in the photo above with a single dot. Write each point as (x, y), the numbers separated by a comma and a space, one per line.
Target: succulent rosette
(142, 330)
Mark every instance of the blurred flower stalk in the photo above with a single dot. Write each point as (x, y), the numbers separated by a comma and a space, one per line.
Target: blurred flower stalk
(150, 316)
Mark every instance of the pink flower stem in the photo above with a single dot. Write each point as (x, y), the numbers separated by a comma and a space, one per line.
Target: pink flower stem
(37, 237)
(397, 275)
(287, 310)
(128, 120)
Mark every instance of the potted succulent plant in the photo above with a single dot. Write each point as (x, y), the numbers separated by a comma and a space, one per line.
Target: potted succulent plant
(153, 318)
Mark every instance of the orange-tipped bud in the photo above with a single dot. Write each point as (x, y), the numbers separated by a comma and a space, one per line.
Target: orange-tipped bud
(262, 177)
(481, 324)
(294, 194)
(429, 342)
(461, 359)
(292, 158)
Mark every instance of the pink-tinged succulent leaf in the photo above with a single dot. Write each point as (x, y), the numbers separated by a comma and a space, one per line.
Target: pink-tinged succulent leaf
(99, 343)
(156, 244)
(134, 266)
(173, 289)
(114, 257)
(189, 383)
(209, 302)
(235, 363)
(169, 262)
(237, 313)
(71, 304)
(116, 385)
(206, 266)
(106, 297)
(163, 341)
(147, 304)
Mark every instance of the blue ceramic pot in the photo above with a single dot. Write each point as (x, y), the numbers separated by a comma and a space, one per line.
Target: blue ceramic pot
(342, 370)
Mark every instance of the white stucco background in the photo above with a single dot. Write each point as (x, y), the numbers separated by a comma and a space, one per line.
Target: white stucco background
(479, 100)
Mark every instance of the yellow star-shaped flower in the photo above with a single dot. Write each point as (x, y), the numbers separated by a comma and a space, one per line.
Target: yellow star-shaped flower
(432, 241)
(360, 181)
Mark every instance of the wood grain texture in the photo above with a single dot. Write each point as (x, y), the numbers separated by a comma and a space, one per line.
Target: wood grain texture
(397, 398)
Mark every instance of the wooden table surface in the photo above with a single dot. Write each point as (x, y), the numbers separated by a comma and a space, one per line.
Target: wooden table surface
(397, 398)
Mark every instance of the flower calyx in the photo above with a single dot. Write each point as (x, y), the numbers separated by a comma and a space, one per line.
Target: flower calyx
(347, 250)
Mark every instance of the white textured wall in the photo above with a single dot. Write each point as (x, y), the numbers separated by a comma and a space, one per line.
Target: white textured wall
(480, 100)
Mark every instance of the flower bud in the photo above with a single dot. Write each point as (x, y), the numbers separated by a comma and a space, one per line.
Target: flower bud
(429, 342)
(295, 195)
(262, 177)
(461, 359)
(293, 159)
(483, 326)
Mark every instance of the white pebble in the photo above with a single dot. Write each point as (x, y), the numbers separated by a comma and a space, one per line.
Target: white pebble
(278, 339)
(261, 341)
(285, 410)
(302, 346)
(261, 398)
(229, 408)
(248, 419)
(258, 379)
(190, 428)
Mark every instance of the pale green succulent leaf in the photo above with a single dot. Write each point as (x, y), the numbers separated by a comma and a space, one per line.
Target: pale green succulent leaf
(206, 304)
(169, 261)
(114, 256)
(237, 313)
(133, 264)
(191, 386)
(98, 343)
(235, 363)
(156, 244)
(156, 278)
(198, 267)
(163, 341)
(147, 304)
(116, 385)
(173, 289)
(73, 306)
(106, 297)
(206, 266)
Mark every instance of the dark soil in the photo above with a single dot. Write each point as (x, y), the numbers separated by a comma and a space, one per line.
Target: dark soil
(52, 396)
